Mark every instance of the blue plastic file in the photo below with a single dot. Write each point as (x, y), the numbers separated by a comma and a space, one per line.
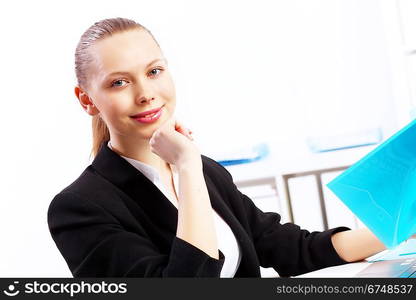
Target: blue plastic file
(256, 153)
(380, 189)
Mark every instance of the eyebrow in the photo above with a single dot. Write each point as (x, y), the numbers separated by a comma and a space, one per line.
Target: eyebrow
(149, 64)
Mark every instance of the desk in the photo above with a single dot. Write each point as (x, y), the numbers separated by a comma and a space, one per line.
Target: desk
(349, 270)
(344, 271)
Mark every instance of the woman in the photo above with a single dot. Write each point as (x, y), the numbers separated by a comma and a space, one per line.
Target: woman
(150, 205)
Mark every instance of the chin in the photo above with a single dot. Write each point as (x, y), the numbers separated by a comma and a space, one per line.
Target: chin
(149, 133)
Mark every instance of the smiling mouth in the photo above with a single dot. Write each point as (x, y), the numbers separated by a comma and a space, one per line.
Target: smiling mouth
(148, 114)
(149, 118)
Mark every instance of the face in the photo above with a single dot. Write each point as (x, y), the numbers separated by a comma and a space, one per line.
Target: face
(129, 76)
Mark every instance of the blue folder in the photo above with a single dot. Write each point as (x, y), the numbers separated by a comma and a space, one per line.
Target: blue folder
(380, 189)
(257, 152)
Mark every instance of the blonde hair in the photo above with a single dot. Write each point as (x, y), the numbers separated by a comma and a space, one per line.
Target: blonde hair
(83, 60)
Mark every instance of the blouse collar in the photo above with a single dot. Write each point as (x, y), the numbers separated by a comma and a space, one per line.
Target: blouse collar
(147, 170)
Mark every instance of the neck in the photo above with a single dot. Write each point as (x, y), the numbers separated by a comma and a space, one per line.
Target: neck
(139, 150)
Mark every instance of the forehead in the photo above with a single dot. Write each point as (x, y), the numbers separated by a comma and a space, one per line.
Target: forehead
(124, 51)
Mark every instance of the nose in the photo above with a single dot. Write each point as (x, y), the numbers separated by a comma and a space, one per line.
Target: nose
(144, 99)
(143, 91)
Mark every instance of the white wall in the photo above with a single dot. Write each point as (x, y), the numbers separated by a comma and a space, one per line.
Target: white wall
(253, 70)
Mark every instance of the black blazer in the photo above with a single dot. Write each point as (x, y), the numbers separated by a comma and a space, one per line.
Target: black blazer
(112, 221)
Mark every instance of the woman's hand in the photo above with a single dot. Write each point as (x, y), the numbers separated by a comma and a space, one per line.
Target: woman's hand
(173, 143)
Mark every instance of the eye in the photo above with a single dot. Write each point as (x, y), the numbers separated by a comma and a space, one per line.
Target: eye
(153, 73)
(117, 82)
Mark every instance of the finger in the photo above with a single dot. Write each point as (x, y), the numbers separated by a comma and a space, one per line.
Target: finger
(186, 133)
(180, 127)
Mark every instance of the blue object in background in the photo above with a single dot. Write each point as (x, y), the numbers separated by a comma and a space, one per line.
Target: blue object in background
(380, 189)
(258, 152)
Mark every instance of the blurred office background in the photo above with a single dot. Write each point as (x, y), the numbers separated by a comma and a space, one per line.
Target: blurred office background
(299, 76)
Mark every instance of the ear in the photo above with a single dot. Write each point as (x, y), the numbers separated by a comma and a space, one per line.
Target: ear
(86, 101)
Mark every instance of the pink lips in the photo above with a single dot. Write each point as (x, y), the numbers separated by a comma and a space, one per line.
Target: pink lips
(148, 116)
(142, 114)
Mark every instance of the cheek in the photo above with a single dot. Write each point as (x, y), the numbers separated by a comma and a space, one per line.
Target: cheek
(119, 105)
(167, 87)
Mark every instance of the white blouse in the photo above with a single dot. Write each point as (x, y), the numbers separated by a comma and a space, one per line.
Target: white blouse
(227, 242)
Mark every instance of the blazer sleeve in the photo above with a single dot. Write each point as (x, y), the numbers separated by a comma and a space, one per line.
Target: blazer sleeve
(287, 248)
(94, 244)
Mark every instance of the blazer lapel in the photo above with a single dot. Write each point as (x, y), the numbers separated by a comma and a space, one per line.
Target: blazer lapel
(137, 186)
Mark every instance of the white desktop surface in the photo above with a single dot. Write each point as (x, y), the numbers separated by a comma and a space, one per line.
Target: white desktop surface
(351, 269)
(345, 271)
